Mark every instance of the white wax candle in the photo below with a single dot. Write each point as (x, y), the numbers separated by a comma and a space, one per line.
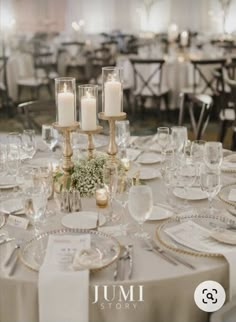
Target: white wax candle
(66, 108)
(173, 32)
(113, 97)
(88, 113)
(184, 39)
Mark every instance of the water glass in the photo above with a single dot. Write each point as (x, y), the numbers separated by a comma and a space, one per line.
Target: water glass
(122, 133)
(163, 138)
(140, 203)
(14, 144)
(213, 154)
(110, 179)
(179, 136)
(3, 159)
(210, 183)
(49, 136)
(186, 176)
(29, 143)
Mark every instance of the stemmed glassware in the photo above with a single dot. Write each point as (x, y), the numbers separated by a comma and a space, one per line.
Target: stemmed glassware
(213, 154)
(49, 136)
(210, 183)
(29, 143)
(14, 143)
(110, 179)
(163, 139)
(122, 133)
(197, 155)
(179, 136)
(140, 205)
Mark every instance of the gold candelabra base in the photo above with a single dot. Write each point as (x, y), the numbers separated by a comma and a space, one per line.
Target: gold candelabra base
(67, 164)
(112, 147)
(91, 147)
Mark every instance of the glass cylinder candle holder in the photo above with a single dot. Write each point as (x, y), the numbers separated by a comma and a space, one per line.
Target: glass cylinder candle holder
(88, 95)
(65, 92)
(112, 91)
(101, 196)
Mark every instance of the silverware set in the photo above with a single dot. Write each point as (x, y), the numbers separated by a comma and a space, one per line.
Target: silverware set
(124, 265)
(13, 257)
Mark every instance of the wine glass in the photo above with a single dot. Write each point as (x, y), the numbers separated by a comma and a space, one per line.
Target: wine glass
(110, 179)
(179, 136)
(140, 205)
(122, 194)
(213, 154)
(14, 144)
(163, 138)
(29, 143)
(122, 133)
(3, 159)
(197, 155)
(210, 182)
(49, 136)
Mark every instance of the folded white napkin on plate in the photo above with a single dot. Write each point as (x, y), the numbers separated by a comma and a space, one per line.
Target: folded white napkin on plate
(232, 195)
(63, 292)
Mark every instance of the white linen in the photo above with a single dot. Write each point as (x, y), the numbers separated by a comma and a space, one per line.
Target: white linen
(63, 292)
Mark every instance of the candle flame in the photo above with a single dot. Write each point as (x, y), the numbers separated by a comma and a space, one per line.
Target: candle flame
(65, 88)
(88, 95)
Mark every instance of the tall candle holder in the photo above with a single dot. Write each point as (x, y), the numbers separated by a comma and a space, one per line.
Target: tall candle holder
(91, 147)
(67, 164)
(112, 147)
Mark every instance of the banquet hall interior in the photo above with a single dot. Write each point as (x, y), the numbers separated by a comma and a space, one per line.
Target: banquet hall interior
(117, 160)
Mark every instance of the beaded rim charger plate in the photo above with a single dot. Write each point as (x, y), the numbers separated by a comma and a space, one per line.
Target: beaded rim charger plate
(224, 194)
(32, 253)
(205, 220)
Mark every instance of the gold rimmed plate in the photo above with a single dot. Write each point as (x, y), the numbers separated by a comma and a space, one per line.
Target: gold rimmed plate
(210, 222)
(32, 253)
(225, 193)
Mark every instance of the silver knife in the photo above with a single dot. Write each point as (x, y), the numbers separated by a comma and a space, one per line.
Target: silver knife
(130, 257)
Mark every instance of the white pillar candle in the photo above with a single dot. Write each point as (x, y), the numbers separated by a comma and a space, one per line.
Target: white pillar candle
(113, 97)
(184, 39)
(66, 107)
(173, 32)
(88, 112)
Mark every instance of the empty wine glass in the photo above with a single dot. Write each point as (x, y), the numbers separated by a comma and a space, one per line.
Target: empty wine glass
(210, 183)
(140, 205)
(213, 154)
(3, 159)
(14, 143)
(186, 175)
(163, 138)
(110, 179)
(197, 155)
(122, 133)
(122, 198)
(49, 136)
(29, 143)
(179, 136)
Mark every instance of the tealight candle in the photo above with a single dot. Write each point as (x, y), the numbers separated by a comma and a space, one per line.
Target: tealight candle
(66, 107)
(88, 112)
(126, 163)
(184, 39)
(101, 197)
(113, 96)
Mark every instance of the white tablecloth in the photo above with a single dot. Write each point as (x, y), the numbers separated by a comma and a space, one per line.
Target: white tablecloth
(167, 290)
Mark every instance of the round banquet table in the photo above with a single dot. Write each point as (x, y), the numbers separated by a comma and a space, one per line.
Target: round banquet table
(167, 289)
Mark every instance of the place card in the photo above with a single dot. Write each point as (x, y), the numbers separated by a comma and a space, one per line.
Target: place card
(18, 222)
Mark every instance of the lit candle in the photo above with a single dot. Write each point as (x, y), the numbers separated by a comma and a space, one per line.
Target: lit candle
(66, 107)
(184, 39)
(101, 197)
(126, 163)
(113, 97)
(88, 112)
(173, 32)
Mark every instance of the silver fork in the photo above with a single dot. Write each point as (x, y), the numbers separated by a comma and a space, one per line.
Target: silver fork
(121, 258)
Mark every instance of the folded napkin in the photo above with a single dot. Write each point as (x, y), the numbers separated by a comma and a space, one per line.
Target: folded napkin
(63, 292)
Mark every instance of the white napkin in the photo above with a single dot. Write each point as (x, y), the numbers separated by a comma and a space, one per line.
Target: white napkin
(232, 195)
(63, 292)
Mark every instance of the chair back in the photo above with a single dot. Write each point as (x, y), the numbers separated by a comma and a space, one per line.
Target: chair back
(147, 76)
(203, 72)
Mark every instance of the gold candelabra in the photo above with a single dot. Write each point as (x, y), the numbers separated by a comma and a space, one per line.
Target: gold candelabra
(67, 165)
(90, 147)
(112, 147)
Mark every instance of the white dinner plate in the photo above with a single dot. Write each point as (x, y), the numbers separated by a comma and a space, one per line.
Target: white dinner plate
(229, 163)
(160, 213)
(193, 193)
(157, 148)
(83, 220)
(225, 236)
(149, 173)
(12, 206)
(149, 158)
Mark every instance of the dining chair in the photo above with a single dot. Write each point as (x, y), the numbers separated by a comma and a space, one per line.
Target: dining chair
(100, 57)
(148, 82)
(199, 108)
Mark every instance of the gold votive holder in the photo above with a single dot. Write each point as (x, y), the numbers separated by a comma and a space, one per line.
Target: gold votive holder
(101, 197)
(126, 163)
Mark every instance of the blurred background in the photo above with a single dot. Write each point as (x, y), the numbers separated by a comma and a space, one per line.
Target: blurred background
(178, 59)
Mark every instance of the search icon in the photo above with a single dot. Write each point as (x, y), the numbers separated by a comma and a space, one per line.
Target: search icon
(210, 296)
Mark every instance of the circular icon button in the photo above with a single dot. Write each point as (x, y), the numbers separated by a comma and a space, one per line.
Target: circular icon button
(209, 296)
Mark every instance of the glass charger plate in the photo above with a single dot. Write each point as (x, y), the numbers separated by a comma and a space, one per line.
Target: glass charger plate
(224, 194)
(207, 221)
(2, 220)
(32, 252)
